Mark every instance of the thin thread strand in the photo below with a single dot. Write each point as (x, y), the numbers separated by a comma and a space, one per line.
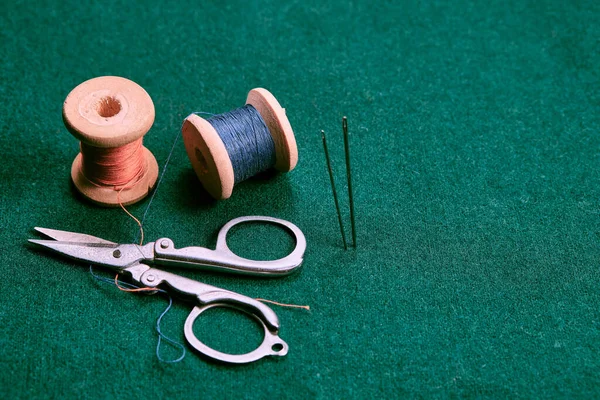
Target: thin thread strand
(161, 336)
(109, 280)
(141, 235)
(139, 289)
(284, 304)
(156, 189)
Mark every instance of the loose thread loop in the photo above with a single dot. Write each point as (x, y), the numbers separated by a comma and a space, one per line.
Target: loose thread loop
(128, 287)
(162, 336)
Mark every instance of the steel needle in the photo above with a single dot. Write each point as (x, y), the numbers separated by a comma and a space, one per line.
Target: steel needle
(349, 176)
(335, 198)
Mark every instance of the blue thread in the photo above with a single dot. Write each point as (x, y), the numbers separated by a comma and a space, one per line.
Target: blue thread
(137, 236)
(161, 336)
(247, 140)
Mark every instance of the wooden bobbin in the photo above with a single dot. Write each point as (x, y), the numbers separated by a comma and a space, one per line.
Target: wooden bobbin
(110, 112)
(209, 157)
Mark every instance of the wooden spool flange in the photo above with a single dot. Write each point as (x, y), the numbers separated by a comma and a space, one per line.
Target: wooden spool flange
(110, 112)
(209, 157)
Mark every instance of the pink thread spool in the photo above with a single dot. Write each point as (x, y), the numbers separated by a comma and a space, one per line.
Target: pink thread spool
(110, 116)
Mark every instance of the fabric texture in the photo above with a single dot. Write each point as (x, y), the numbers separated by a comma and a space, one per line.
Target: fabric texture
(475, 149)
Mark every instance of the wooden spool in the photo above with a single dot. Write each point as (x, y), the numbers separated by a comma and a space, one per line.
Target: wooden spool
(109, 112)
(209, 157)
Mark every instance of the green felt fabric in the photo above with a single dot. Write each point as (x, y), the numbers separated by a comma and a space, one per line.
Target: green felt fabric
(474, 133)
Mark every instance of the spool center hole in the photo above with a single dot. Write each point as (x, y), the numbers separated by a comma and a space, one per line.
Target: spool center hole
(108, 107)
(202, 165)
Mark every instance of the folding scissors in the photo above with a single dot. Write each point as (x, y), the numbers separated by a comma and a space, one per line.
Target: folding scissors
(134, 261)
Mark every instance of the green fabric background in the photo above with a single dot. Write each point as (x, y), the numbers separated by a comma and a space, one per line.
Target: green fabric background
(474, 131)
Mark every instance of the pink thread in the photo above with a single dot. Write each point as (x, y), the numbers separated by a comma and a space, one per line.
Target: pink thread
(117, 166)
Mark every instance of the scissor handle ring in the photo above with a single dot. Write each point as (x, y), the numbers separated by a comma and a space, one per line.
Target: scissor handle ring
(272, 344)
(280, 266)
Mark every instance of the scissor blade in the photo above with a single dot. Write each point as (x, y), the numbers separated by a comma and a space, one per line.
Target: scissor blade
(97, 253)
(65, 236)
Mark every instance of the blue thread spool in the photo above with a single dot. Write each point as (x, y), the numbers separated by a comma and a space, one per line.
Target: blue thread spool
(229, 148)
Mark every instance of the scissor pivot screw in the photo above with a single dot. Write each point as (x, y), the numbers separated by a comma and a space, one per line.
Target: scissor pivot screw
(150, 278)
(117, 253)
(164, 244)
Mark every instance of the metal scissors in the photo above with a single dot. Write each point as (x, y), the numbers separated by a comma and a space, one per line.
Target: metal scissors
(134, 261)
